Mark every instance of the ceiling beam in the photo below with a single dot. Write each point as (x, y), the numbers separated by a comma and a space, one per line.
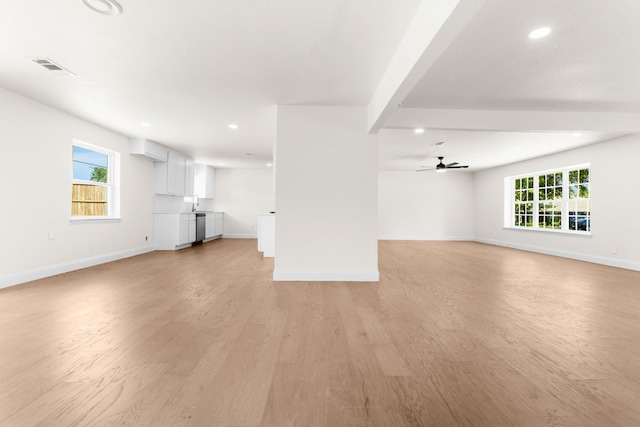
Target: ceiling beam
(433, 28)
(513, 121)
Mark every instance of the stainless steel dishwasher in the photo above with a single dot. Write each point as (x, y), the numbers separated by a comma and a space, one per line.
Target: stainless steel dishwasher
(201, 220)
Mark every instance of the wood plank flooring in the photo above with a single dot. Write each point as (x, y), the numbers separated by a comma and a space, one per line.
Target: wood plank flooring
(454, 334)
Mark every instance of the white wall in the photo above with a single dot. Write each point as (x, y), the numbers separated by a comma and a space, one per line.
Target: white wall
(242, 194)
(425, 205)
(326, 195)
(35, 182)
(615, 205)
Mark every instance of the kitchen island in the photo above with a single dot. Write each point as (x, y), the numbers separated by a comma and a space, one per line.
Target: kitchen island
(267, 235)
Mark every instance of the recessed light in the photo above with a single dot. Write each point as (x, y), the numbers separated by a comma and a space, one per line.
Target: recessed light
(575, 135)
(104, 7)
(539, 33)
(418, 130)
(269, 164)
(145, 124)
(221, 164)
(233, 126)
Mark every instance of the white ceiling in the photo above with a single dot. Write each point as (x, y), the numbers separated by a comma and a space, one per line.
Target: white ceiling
(590, 61)
(191, 68)
(400, 149)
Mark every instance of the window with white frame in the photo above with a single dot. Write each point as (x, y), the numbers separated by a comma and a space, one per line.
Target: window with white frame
(95, 182)
(558, 199)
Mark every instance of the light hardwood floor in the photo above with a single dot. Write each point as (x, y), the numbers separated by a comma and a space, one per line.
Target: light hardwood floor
(454, 334)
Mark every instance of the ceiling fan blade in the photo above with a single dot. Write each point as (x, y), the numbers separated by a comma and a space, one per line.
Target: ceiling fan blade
(422, 170)
(457, 167)
(452, 164)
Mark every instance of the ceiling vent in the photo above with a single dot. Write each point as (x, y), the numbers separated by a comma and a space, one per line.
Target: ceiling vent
(439, 143)
(52, 66)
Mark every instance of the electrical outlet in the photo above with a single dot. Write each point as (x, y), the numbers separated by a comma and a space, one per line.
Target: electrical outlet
(146, 238)
(52, 234)
(614, 250)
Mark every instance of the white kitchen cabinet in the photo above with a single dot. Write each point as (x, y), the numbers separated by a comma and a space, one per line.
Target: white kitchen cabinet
(219, 223)
(170, 176)
(210, 225)
(148, 149)
(192, 228)
(189, 174)
(176, 173)
(187, 228)
(175, 177)
(267, 235)
(204, 181)
(214, 225)
(173, 230)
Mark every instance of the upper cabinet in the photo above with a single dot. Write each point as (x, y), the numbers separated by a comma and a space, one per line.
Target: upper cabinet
(204, 181)
(189, 177)
(147, 148)
(175, 174)
(172, 177)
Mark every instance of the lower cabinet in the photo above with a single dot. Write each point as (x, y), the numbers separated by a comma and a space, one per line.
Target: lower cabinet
(219, 223)
(267, 235)
(187, 228)
(214, 225)
(210, 226)
(173, 230)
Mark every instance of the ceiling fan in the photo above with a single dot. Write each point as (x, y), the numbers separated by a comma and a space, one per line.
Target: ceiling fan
(441, 167)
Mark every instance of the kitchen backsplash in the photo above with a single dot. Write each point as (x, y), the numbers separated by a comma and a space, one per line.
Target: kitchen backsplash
(165, 203)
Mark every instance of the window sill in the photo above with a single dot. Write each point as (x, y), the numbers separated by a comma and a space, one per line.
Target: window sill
(80, 219)
(552, 231)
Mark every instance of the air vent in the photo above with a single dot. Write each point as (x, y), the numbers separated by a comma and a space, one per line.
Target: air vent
(52, 66)
(439, 143)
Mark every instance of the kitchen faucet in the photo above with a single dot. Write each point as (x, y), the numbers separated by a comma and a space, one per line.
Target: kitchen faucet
(195, 203)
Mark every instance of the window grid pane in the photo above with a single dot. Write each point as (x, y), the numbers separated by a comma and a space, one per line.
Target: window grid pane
(524, 196)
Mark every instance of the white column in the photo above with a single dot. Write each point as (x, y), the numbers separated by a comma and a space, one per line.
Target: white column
(326, 195)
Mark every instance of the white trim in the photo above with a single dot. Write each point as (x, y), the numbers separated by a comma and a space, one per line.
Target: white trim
(113, 179)
(418, 237)
(549, 230)
(612, 262)
(240, 236)
(95, 219)
(40, 273)
(326, 275)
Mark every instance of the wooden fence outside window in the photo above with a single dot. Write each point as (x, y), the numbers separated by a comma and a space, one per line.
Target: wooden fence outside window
(89, 200)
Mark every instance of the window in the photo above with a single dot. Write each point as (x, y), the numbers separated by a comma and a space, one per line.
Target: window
(95, 177)
(551, 200)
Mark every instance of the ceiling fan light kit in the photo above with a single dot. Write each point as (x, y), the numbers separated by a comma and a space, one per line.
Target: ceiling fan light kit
(441, 167)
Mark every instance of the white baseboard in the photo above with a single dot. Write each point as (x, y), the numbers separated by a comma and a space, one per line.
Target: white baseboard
(52, 270)
(399, 237)
(612, 262)
(326, 275)
(240, 236)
